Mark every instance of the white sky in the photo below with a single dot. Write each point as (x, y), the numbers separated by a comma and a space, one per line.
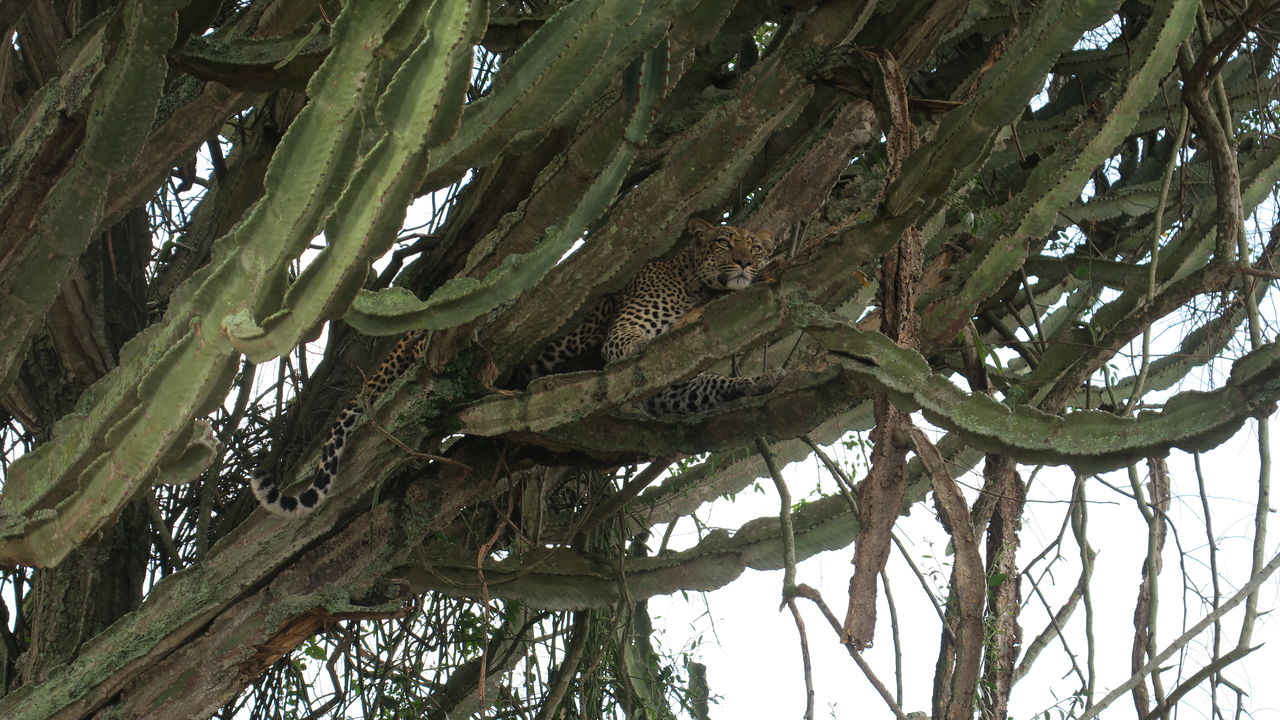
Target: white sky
(752, 652)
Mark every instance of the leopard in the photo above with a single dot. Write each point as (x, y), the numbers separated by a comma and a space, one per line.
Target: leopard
(406, 351)
(721, 258)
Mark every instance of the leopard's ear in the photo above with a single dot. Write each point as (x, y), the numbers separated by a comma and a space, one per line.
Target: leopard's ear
(700, 228)
(767, 240)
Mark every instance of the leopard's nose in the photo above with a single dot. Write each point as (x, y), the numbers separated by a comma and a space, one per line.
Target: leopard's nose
(743, 263)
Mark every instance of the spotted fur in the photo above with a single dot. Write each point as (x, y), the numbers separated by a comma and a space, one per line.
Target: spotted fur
(707, 391)
(721, 258)
(264, 487)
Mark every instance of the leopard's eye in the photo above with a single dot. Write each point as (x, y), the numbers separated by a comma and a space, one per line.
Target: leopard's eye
(723, 241)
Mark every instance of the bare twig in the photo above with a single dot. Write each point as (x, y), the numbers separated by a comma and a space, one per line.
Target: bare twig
(1144, 614)
(331, 666)
(895, 634)
(414, 453)
(1079, 528)
(1211, 543)
(805, 591)
(804, 657)
(784, 520)
(1139, 384)
(627, 493)
(173, 558)
(789, 568)
(569, 666)
(1213, 668)
(1054, 628)
(1244, 592)
(933, 599)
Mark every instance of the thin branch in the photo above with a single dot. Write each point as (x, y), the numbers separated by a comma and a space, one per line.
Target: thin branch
(784, 520)
(173, 556)
(331, 667)
(627, 492)
(1079, 528)
(1054, 628)
(804, 657)
(1166, 180)
(569, 666)
(895, 634)
(789, 571)
(1155, 662)
(805, 591)
(1213, 668)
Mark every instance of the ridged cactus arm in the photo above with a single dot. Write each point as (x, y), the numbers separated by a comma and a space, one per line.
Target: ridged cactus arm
(310, 167)
(564, 578)
(550, 80)
(1088, 441)
(965, 137)
(461, 300)
(123, 68)
(1058, 178)
(1036, 135)
(1259, 172)
(701, 166)
(423, 99)
(133, 419)
(725, 326)
(1199, 347)
(603, 35)
(69, 487)
(252, 63)
(1183, 264)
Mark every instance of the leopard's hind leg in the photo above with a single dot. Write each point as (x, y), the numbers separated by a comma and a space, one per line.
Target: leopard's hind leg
(708, 391)
(586, 337)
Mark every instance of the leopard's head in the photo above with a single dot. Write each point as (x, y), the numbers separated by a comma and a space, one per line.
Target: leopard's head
(728, 258)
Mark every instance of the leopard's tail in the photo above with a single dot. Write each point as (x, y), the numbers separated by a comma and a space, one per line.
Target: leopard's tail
(409, 349)
(264, 486)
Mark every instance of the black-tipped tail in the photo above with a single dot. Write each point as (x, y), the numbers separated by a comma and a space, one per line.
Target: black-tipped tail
(264, 488)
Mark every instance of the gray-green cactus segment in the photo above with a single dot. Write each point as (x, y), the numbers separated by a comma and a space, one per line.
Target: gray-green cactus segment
(253, 63)
(1192, 248)
(1198, 347)
(564, 579)
(129, 422)
(1180, 261)
(702, 164)
(548, 82)
(225, 299)
(461, 300)
(423, 100)
(1088, 441)
(545, 88)
(1181, 256)
(1060, 176)
(120, 73)
(1244, 93)
(1003, 95)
